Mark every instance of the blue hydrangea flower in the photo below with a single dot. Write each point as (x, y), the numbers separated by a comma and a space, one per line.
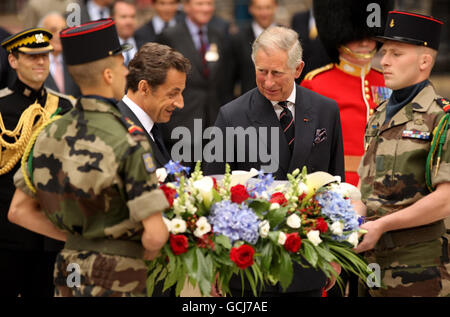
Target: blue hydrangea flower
(265, 180)
(237, 222)
(337, 208)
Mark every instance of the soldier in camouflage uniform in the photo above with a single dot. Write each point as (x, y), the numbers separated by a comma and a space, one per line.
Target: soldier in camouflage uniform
(406, 234)
(93, 177)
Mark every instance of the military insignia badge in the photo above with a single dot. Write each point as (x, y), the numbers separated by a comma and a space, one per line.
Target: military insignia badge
(392, 24)
(414, 134)
(39, 38)
(444, 103)
(132, 127)
(212, 55)
(148, 162)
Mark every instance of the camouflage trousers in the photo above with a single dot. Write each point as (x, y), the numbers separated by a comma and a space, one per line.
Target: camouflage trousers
(419, 270)
(93, 274)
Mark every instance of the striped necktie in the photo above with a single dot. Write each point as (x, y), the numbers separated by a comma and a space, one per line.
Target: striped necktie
(287, 124)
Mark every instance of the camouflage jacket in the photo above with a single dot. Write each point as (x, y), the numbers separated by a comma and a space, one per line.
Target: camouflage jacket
(392, 171)
(95, 179)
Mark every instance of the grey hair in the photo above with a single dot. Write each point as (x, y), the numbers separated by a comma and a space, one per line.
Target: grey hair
(283, 38)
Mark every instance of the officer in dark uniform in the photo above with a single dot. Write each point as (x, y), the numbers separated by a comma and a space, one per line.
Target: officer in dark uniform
(27, 259)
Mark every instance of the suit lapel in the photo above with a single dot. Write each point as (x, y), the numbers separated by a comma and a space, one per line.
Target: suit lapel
(263, 115)
(126, 112)
(304, 130)
(191, 51)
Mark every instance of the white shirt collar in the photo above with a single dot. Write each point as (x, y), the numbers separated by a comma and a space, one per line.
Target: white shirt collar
(158, 23)
(291, 103)
(258, 29)
(143, 117)
(94, 10)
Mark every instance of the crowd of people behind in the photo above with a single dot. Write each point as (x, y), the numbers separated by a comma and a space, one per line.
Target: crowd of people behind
(187, 65)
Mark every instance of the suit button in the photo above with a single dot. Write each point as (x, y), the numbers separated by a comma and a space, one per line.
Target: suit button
(367, 96)
(366, 89)
(371, 111)
(366, 82)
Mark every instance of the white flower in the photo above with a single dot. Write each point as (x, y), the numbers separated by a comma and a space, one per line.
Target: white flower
(178, 226)
(178, 208)
(205, 187)
(274, 206)
(167, 223)
(337, 228)
(314, 237)
(264, 228)
(353, 239)
(302, 188)
(203, 227)
(161, 174)
(190, 208)
(294, 221)
(281, 238)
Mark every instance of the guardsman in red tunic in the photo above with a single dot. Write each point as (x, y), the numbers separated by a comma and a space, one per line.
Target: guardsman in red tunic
(350, 80)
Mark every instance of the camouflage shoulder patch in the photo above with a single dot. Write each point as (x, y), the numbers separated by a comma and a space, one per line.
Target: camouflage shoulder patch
(5, 92)
(132, 128)
(148, 162)
(444, 103)
(317, 71)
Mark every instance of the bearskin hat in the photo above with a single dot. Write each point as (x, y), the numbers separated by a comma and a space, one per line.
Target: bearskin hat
(341, 21)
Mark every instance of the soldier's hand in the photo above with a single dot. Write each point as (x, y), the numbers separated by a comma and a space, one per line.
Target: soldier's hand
(370, 239)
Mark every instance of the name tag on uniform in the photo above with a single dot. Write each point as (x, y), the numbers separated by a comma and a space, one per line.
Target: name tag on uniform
(413, 134)
(148, 162)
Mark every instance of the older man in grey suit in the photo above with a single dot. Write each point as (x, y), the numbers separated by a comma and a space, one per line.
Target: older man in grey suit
(307, 133)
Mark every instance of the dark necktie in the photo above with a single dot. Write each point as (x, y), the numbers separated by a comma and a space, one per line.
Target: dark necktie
(166, 25)
(159, 142)
(205, 70)
(287, 124)
(127, 56)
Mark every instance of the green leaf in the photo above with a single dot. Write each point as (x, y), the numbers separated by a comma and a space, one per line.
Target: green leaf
(325, 254)
(204, 272)
(259, 207)
(275, 217)
(286, 270)
(251, 280)
(266, 255)
(181, 278)
(273, 235)
(310, 253)
(190, 260)
(151, 279)
(223, 241)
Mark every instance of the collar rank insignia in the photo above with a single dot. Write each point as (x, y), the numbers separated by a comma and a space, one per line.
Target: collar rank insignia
(148, 162)
(414, 134)
(444, 103)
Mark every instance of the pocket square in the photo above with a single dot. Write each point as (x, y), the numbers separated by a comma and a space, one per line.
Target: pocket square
(321, 135)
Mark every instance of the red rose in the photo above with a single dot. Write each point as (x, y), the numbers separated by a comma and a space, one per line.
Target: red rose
(239, 194)
(170, 193)
(242, 256)
(278, 198)
(321, 225)
(179, 244)
(293, 242)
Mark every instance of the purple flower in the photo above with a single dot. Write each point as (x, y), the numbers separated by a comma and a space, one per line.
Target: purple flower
(237, 222)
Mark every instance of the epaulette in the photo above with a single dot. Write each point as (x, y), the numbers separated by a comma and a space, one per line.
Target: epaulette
(377, 69)
(132, 128)
(444, 103)
(5, 92)
(317, 71)
(69, 98)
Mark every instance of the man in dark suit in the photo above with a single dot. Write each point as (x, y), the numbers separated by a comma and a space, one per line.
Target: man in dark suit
(306, 126)
(263, 13)
(165, 16)
(313, 50)
(59, 78)
(155, 84)
(92, 10)
(208, 84)
(124, 14)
